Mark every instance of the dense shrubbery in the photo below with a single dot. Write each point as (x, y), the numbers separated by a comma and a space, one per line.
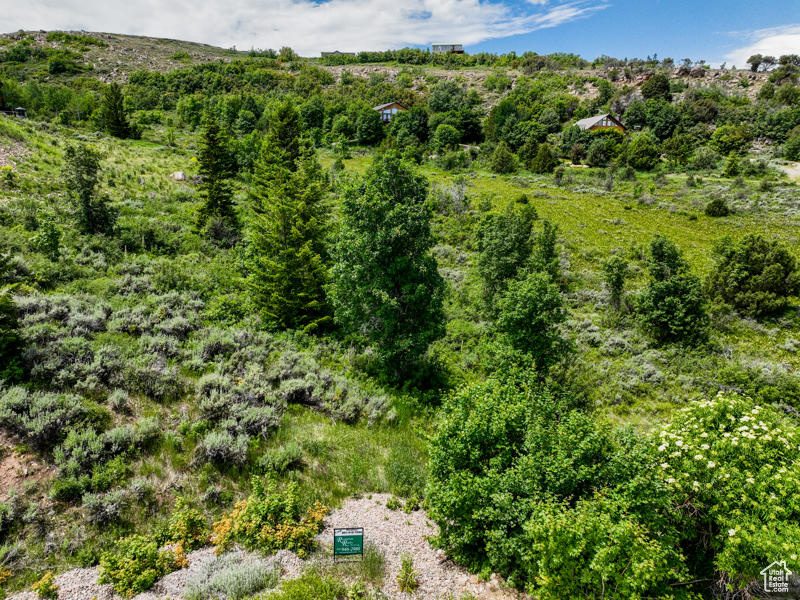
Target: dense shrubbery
(508, 458)
(672, 306)
(269, 520)
(523, 486)
(755, 275)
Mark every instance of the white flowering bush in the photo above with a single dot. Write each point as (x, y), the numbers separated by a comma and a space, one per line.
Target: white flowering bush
(734, 470)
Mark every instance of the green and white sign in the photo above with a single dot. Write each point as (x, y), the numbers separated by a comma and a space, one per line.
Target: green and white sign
(348, 542)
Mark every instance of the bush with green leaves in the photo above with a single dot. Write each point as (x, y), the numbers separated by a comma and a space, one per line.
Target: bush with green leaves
(672, 306)
(446, 137)
(269, 520)
(755, 275)
(544, 161)
(733, 469)
(643, 152)
(42, 418)
(81, 175)
(615, 271)
(310, 585)
(507, 455)
(528, 315)
(505, 244)
(717, 208)
(728, 139)
(135, 564)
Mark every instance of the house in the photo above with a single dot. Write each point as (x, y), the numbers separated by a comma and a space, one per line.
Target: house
(337, 53)
(387, 111)
(600, 122)
(447, 49)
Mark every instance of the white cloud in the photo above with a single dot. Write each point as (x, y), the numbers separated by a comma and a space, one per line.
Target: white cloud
(769, 42)
(305, 25)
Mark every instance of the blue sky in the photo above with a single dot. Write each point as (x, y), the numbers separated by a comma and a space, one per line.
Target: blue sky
(714, 30)
(707, 29)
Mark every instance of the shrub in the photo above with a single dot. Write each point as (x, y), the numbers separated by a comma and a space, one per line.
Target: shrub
(282, 460)
(407, 576)
(615, 271)
(223, 448)
(717, 208)
(46, 588)
(234, 576)
(505, 453)
(505, 244)
(40, 417)
(528, 317)
(187, 527)
(704, 159)
(754, 275)
(310, 585)
(733, 468)
(503, 160)
(643, 153)
(136, 563)
(731, 138)
(544, 161)
(446, 137)
(102, 509)
(270, 520)
(791, 149)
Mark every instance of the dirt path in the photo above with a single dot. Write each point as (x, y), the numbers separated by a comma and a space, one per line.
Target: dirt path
(792, 170)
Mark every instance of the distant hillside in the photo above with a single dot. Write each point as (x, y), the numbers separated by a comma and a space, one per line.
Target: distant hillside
(113, 56)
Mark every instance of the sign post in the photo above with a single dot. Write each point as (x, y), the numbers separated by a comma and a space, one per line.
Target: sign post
(348, 542)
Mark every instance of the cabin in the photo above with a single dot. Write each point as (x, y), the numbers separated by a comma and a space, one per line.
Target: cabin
(600, 122)
(447, 49)
(387, 111)
(336, 53)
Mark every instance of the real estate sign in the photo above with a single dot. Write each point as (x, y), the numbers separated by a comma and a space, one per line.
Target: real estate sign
(348, 542)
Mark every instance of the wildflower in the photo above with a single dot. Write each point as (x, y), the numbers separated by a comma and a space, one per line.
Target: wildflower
(664, 465)
(731, 532)
(711, 464)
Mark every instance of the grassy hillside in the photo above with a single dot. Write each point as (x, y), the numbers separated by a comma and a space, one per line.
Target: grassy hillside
(154, 378)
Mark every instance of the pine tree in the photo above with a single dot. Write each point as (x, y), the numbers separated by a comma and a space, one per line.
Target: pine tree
(385, 282)
(216, 167)
(287, 264)
(112, 113)
(285, 131)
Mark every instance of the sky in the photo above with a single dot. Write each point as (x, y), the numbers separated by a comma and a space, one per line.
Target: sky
(716, 31)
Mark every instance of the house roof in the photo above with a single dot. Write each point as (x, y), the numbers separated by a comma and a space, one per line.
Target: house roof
(590, 122)
(387, 105)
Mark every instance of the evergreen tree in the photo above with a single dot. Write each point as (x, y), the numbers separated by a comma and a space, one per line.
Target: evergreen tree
(386, 286)
(284, 132)
(10, 343)
(503, 160)
(81, 173)
(544, 161)
(288, 271)
(112, 113)
(216, 168)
